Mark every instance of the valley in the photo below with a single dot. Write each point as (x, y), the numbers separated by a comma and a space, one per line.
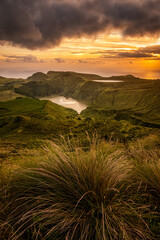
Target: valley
(76, 130)
(131, 97)
(124, 109)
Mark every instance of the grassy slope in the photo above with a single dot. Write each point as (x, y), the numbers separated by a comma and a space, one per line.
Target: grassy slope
(135, 100)
(139, 99)
(10, 83)
(9, 95)
(143, 104)
(42, 109)
(19, 113)
(25, 123)
(7, 86)
(41, 85)
(28, 115)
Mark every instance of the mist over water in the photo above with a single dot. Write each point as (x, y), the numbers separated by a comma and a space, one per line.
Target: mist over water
(67, 102)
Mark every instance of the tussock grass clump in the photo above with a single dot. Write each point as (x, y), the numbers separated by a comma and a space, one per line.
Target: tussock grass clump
(75, 195)
(146, 165)
(145, 160)
(146, 169)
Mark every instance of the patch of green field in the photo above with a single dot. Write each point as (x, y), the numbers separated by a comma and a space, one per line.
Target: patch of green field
(8, 95)
(34, 108)
(32, 116)
(7, 86)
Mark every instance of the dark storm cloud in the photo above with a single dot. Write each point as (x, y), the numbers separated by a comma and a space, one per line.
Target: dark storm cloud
(155, 49)
(143, 52)
(44, 23)
(135, 54)
(151, 52)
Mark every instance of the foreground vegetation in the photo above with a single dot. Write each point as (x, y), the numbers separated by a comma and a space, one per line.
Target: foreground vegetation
(65, 191)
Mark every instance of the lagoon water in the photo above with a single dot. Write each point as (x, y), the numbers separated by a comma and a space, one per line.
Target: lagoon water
(67, 102)
(72, 103)
(107, 81)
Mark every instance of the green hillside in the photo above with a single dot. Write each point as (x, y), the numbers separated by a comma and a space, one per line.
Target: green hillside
(32, 116)
(138, 99)
(7, 86)
(143, 104)
(39, 76)
(133, 99)
(41, 119)
(40, 85)
(27, 120)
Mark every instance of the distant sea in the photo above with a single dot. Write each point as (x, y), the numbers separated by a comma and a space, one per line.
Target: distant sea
(14, 73)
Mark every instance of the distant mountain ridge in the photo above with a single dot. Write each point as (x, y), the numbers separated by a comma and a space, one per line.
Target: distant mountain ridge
(132, 98)
(65, 83)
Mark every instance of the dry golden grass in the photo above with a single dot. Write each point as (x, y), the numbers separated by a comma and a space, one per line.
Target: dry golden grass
(76, 194)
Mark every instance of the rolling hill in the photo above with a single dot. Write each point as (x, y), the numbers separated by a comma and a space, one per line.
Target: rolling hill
(32, 116)
(133, 99)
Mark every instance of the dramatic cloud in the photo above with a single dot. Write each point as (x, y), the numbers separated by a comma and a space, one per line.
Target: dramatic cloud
(151, 52)
(151, 49)
(143, 52)
(134, 54)
(26, 59)
(44, 23)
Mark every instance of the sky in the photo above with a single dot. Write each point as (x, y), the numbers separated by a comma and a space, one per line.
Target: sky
(106, 37)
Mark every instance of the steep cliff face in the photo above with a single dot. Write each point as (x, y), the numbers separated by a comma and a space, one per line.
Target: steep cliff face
(137, 97)
(60, 83)
(122, 104)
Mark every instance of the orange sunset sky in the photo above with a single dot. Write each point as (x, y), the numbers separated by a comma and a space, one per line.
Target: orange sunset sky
(50, 36)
